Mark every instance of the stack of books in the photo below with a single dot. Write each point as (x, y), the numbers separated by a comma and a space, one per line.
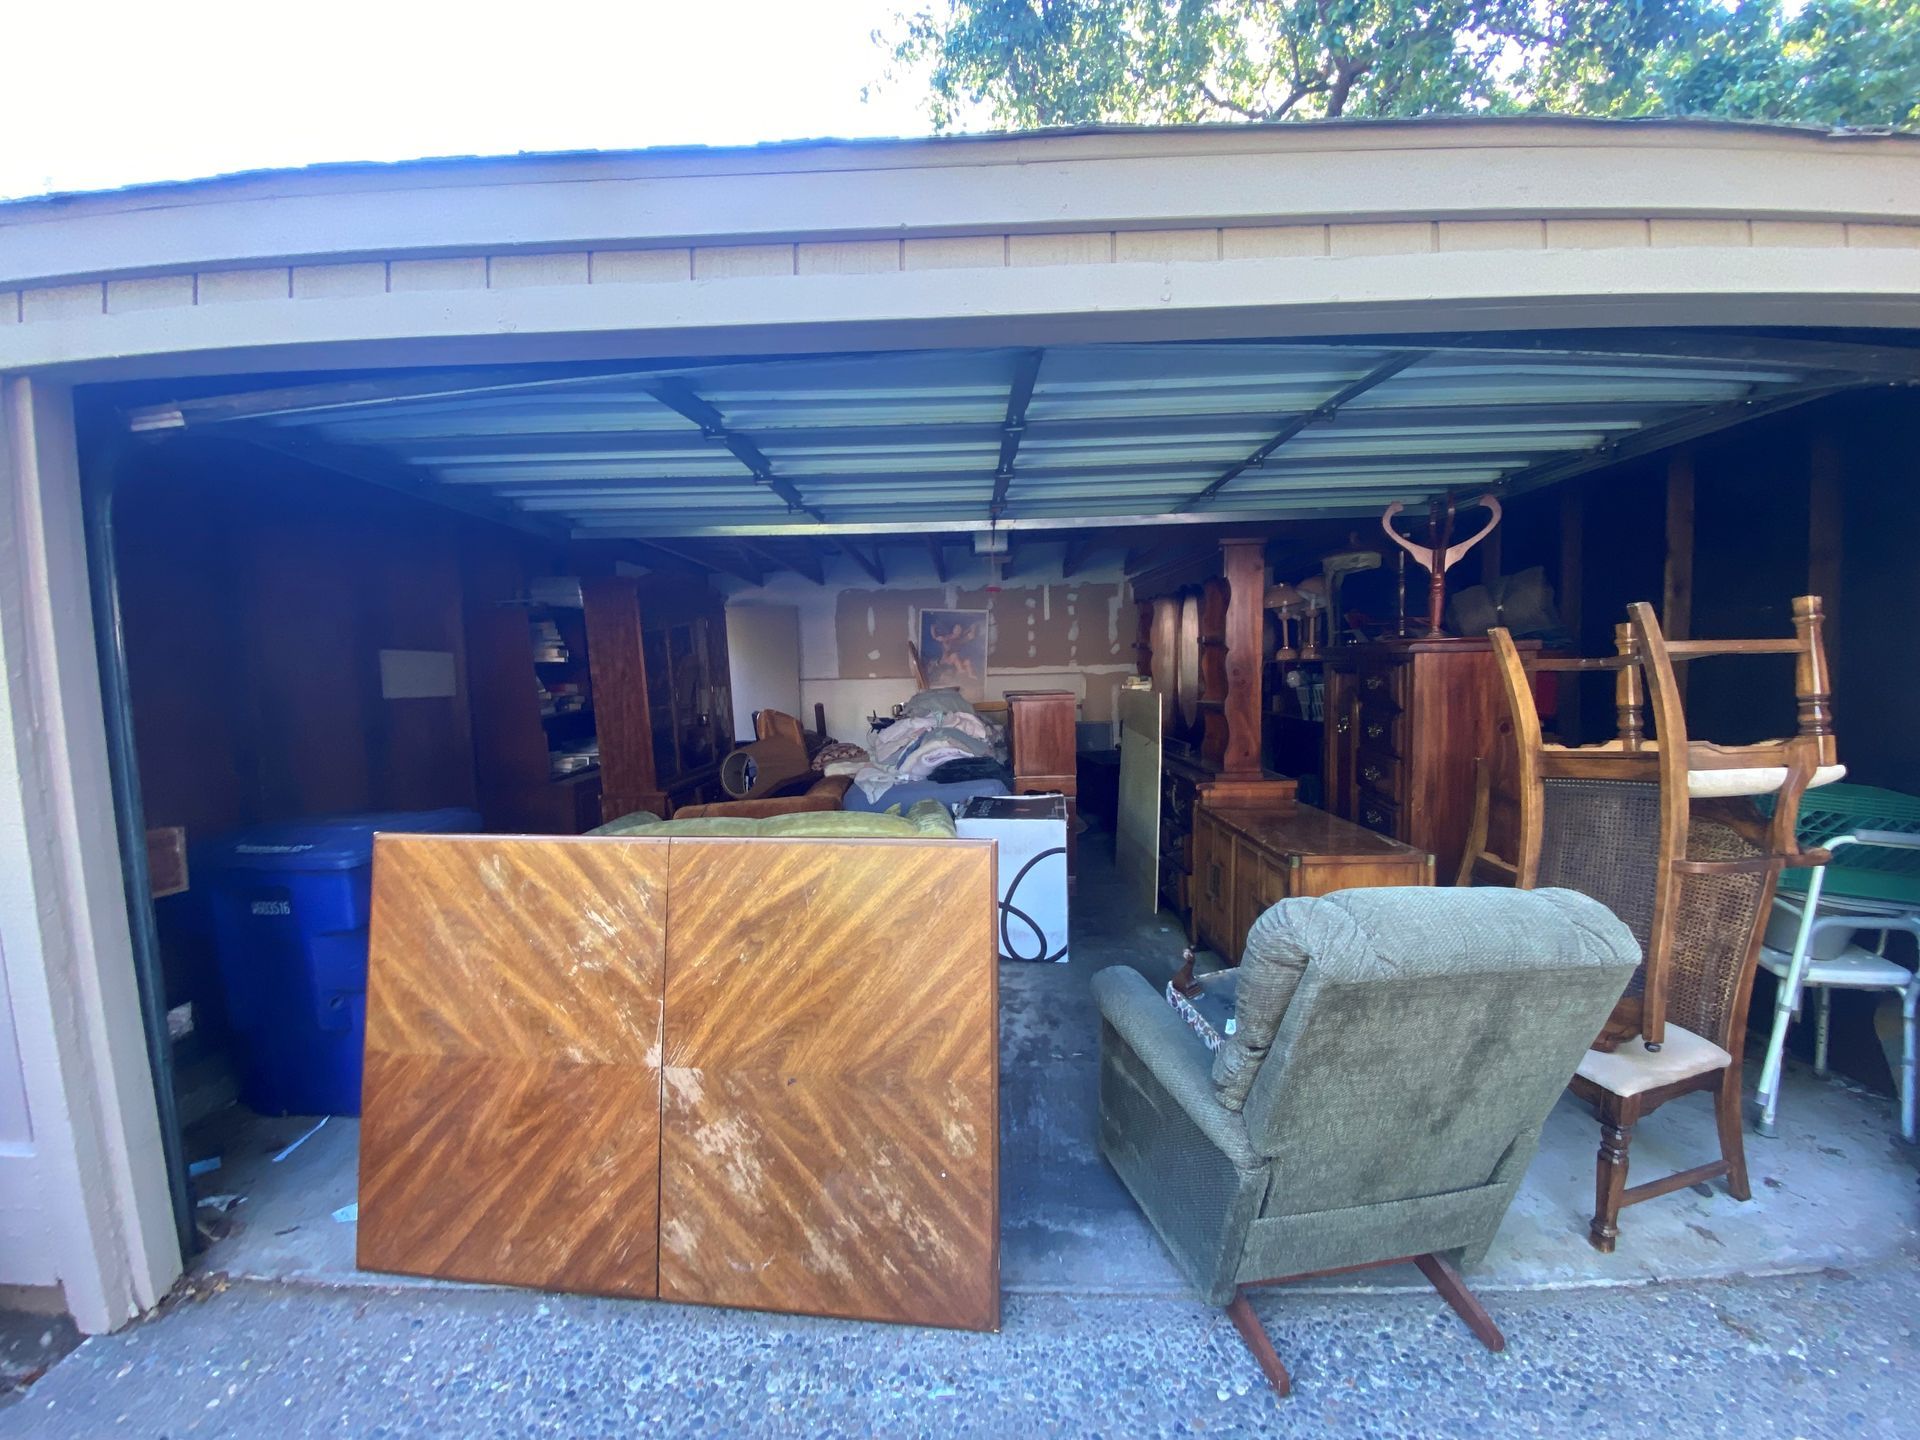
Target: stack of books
(549, 647)
(572, 758)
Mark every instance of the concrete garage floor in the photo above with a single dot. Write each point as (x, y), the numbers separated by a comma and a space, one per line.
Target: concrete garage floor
(1835, 1188)
(277, 1333)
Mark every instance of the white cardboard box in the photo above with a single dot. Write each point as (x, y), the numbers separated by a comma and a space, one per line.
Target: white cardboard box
(1031, 833)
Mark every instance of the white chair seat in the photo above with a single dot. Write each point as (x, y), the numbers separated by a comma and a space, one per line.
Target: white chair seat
(1854, 968)
(1633, 1069)
(1753, 780)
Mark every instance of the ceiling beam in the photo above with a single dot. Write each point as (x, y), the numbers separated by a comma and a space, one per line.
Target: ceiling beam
(372, 468)
(1026, 370)
(1076, 555)
(939, 558)
(801, 560)
(707, 560)
(1654, 438)
(869, 563)
(679, 397)
(1325, 411)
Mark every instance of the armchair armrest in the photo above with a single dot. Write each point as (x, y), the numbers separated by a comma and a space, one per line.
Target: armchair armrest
(1174, 1056)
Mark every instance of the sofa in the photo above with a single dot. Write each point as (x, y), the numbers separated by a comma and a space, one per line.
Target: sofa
(828, 792)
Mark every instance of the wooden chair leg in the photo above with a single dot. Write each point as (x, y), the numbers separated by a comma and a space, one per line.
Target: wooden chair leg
(1610, 1178)
(1727, 1113)
(1453, 1289)
(1255, 1334)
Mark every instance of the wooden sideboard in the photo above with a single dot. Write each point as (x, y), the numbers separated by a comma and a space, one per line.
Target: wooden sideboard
(1246, 861)
(1405, 722)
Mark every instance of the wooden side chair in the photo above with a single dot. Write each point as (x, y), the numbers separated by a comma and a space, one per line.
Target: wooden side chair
(1664, 831)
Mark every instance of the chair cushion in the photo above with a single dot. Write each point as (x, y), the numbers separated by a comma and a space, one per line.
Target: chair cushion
(1752, 780)
(1633, 1068)
(1271, 964)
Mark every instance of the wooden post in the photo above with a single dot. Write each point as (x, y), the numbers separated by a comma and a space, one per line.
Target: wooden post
(1629, 701)
(1573, 519)
(1244, 563)
(1676, 607)
(1813, 691)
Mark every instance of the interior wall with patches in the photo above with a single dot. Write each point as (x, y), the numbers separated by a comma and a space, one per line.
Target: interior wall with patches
(1046, 631)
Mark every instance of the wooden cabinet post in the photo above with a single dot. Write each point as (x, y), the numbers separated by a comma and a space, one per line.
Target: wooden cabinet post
(1245, 564)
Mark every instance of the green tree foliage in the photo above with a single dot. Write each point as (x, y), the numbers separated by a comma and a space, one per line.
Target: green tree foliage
(1036, 63)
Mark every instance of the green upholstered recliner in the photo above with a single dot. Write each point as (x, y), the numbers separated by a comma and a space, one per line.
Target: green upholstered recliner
(1398, 1051)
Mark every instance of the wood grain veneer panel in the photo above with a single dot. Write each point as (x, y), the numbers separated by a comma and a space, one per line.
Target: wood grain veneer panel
(510, 1124)
(829, 1125)
(537, 1173)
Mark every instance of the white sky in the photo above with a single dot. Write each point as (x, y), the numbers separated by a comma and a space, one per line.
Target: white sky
(100, 93)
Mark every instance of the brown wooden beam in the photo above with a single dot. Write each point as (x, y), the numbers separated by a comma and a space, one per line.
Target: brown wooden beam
(801, 561)
(1572, 581)
(869, 563)
(1075, 557)
(1244, 560)
(705, 561)
(939, 558)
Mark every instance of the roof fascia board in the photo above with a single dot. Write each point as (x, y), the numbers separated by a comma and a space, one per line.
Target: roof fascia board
(1146, 181)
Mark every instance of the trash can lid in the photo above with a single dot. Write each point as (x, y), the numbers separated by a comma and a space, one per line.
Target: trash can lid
(333, 842)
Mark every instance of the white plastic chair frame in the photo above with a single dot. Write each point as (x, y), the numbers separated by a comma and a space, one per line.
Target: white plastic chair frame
(1885, 917)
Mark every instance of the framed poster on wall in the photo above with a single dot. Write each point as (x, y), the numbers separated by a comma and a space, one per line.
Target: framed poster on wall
(953, 651)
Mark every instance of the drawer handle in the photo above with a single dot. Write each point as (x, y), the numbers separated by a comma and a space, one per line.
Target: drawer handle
(1341, 725)
(1375, 729)
(1376, 682)
(1373, 817)
(1371, 774)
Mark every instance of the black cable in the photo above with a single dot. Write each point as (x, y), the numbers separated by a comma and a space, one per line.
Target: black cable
(1008, 910)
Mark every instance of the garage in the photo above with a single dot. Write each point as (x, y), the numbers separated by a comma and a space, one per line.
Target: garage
(521, 507)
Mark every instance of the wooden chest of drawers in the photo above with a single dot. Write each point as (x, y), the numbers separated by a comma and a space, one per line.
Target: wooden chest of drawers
(1040, 733)
(1248, 860)
(1405, 723)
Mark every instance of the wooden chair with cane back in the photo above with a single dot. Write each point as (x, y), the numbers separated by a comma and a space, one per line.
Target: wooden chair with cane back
(1665, 831)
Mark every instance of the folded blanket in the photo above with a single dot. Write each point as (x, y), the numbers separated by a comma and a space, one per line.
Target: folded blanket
(839, 752)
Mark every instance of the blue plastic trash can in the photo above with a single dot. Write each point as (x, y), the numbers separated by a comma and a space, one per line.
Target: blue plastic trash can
(288, 906)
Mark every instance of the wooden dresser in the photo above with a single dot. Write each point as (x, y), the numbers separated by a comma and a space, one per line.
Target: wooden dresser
(1245, 861)
(1405, 722)
(1041, 733)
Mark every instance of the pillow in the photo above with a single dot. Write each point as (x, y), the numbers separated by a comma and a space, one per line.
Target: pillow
(1208, 1011)
(1270, 969)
